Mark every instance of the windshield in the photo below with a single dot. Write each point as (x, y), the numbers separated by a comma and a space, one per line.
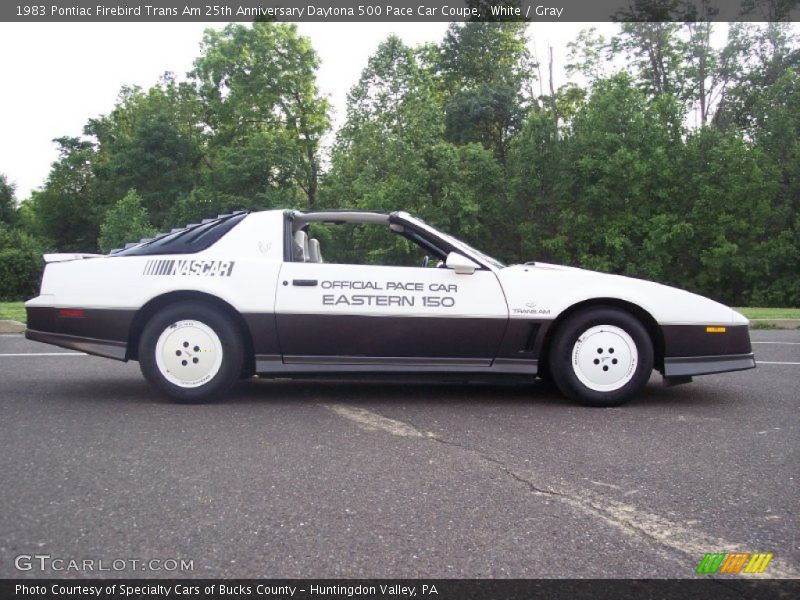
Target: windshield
(455, 242)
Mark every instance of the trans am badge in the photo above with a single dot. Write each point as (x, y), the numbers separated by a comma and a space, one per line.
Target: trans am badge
(209, 268)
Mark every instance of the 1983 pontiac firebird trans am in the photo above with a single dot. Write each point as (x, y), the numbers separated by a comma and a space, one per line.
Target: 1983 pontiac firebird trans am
(249, 293)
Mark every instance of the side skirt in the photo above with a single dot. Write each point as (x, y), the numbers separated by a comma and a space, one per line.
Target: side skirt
(270, 364)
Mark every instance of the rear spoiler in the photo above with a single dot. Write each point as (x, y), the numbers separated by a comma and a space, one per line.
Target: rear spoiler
(53, 258)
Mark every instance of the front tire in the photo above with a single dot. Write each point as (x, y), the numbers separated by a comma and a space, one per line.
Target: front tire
(601, 356)
(191, 353)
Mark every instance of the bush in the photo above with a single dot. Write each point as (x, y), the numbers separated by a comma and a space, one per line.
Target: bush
(21, 265)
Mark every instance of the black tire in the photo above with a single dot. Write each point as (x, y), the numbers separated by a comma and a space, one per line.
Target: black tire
(230, 347)
(571, 369)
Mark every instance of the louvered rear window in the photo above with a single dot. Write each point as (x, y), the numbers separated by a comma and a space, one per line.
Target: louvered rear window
(186, 241)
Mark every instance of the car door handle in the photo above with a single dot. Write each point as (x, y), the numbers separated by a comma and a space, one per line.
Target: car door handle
(304, 282)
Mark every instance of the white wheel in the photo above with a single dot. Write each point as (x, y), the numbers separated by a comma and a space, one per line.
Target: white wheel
(601, 356)
(188, 353)
(604, 358)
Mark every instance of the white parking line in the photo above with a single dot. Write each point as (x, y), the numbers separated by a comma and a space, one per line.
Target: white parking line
(780, 343)
(769, 362)
(46, 354)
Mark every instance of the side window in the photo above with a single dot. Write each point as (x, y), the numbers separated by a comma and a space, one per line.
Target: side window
(361, 244)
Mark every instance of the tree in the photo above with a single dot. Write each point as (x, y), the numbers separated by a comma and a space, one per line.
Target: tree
(656, 51)
(485, 69)
(618, 168)
(756, 56)
(126, 221)
(151, 141)
(719, 216)
(395, 96)
(379, 159)
(587, 55)
(391, 153)
(68, 210)
(8, 204)
(262, 109)
(777, 135)
(537, 171)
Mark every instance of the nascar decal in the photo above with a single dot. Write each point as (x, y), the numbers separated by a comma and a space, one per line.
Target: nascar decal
(208, 268)
(349, 299)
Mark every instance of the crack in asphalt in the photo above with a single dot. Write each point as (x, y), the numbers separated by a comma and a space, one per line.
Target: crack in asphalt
(563, 497)
(654, 531)
(672, 540)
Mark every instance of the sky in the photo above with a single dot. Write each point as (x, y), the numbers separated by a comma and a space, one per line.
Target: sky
(56, 76)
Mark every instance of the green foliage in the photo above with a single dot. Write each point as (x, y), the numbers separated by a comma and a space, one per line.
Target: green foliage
(391, 154)
(622, 186)
(243, 132)
(485, 70)
(20, 264)
(152, 142)
(126, 221)
(266, 118)
(67, 210)
(683, 168)
(8, 203)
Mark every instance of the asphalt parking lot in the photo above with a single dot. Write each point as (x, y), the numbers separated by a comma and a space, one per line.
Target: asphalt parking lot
(321, 479)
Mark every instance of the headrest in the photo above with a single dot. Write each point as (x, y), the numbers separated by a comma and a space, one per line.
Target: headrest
(301, 246)
(313, 249)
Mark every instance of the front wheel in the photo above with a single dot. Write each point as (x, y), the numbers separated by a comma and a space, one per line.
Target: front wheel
(601, 356)
(191, 352)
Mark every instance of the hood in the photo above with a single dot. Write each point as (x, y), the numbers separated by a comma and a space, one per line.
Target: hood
(554, 288)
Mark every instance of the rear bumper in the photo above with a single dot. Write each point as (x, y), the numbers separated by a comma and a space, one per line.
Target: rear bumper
(106, 348)
(102, 332)
(705, 365)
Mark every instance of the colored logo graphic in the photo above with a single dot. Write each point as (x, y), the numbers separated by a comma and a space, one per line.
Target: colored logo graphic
(734, 563)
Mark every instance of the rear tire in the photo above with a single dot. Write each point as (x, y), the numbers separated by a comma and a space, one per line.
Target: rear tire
(191, 353)
(601, 356)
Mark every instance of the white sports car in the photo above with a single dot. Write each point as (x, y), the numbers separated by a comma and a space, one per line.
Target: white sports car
(249, 293)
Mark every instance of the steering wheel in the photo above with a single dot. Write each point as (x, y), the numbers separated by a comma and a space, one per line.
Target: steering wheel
(425, 260)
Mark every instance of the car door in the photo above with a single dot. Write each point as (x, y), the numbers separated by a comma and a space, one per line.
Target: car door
(365, 314)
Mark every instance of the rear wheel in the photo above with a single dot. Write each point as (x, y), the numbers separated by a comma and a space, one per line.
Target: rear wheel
(601, 356)
(191, 352)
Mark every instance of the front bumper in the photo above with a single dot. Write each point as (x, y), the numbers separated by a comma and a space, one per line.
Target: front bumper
(687, 366)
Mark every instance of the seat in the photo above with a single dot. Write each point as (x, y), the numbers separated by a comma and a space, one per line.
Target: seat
(313, 249)
(301, 246)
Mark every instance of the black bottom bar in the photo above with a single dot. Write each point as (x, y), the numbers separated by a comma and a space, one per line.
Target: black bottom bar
(719, 588)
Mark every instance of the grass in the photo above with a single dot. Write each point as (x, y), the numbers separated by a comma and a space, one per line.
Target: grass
(14, 311)
(770, 313)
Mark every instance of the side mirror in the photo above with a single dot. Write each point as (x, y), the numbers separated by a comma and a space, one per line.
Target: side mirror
(460, 264)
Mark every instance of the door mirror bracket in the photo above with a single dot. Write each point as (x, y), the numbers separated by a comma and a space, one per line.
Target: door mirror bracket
(460, 264)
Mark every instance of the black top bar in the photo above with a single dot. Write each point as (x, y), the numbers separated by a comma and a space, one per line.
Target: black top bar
(33, 11)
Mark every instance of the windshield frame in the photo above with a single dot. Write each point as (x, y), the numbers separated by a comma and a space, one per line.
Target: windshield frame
(463, 247)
